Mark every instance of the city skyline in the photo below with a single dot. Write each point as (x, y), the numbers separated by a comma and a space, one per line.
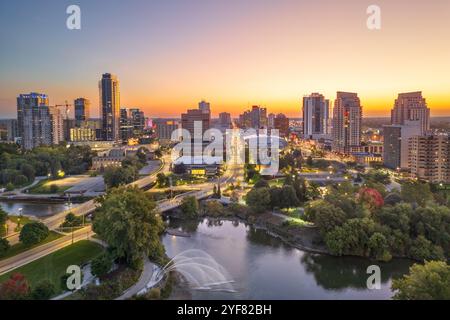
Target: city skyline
(262, 57)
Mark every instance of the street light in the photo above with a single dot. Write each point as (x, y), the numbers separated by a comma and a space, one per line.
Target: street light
(19, 218)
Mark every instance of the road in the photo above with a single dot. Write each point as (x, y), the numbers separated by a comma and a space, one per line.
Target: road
(56, 220)
(26, 257)
(231, 175)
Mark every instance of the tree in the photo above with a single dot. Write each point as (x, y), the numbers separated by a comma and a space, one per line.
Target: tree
(371, 197)
(190, 207)
(423, 249)
(33, 233)
(20, 180)
(396, 217)
(217, 193)
(4, 246)
(301, 189)
(161, 180)
(392, 199)
(351, 238)
(128, 221)
(345, 189)
(101, 265)
(250, 173)
(325, 216)
(132, 161)
(15, 288)
(275, 197)
(378, 176)
(378, 247)
(336, 241)
(313, 192)
(54, 188)
(416, 192)
(72, 220)
(258, 200)
(3, 217)
(433, 222)
(214, 209)
(10, 186)
(142, 155)
(430, 281)
(158, 153)
(28, 171)
(348, 204)
(44, 290)
(289, 197)
(261, 184)
(115, 177)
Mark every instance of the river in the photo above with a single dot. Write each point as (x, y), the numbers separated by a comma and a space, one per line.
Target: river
(37, 209)
(263, 267)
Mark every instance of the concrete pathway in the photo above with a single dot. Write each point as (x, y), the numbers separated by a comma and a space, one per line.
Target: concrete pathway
(144, 280)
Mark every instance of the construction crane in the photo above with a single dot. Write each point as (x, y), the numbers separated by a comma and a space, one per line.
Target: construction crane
(67, 106)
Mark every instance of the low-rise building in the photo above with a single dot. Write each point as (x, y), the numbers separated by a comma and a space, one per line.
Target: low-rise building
(200, 165)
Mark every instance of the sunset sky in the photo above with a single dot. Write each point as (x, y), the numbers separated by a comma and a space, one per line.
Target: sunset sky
(170, 54)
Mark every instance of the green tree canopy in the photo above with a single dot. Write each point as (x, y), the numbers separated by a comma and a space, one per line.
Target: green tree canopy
(325, 216)
(3, 217)
(101, 265)
(4, 246)
(33, 233)
(259, 200)
(190, 207)
(115, 177)
(430, 281)
(44, 290)
(416, 192)
(129, 222)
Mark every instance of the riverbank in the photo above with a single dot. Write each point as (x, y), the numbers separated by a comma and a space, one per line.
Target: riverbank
(248, 255)
(43, 199)
(299, 237)
(302, 238)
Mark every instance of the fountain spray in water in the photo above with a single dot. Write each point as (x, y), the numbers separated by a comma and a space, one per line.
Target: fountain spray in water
(199, 269)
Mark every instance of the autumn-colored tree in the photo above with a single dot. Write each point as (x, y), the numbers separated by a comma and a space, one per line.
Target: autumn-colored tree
(371, 197)
(16, 288)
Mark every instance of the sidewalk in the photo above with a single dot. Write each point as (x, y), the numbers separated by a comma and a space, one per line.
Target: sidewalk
(144, 280)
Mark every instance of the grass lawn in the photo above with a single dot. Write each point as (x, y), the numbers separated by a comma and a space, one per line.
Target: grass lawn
(54, 266)
(293, 212)
(296, 222)
(20, 247)
(44, 187)
(23, 220)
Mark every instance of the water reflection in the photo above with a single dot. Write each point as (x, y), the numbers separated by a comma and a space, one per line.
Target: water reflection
(349, 272)
(263, 267)
(34, 209)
